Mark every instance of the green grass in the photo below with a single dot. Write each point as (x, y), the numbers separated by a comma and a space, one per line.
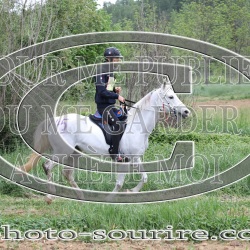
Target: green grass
(227, 120)
(222, 91)
(204, 212)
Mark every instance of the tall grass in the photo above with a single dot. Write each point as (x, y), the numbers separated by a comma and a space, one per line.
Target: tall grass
(222, 91)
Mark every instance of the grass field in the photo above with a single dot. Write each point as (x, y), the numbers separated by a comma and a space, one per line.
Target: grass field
(220, 210)
(222, 92)
(211, 213)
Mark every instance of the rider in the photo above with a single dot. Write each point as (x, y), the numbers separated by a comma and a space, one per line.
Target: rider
(106, 96)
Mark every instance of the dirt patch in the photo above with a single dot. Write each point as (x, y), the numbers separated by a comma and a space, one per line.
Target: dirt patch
(244, 103)
(20, 211)
(126, 244)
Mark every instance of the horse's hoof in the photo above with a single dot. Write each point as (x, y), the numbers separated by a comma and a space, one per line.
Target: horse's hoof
(48, 200)
(129, 191)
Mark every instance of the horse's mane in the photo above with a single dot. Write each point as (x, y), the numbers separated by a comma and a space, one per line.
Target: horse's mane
(143, 103)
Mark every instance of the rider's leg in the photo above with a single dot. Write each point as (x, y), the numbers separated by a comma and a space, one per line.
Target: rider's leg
(110, 117)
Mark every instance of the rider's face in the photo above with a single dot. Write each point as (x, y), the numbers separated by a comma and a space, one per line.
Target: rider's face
(116, 59)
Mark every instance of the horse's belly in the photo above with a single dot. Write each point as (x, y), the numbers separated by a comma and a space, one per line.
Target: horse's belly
(92, 141)
(75, 131)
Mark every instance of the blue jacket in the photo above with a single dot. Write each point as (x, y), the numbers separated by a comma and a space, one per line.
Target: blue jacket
(104, 97)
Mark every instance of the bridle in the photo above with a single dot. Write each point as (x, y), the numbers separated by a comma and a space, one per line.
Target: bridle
(172, 110)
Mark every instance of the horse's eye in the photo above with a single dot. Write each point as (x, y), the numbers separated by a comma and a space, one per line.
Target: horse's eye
(171, 97)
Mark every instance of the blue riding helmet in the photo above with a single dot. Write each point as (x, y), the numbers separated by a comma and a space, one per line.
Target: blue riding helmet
(112, 52)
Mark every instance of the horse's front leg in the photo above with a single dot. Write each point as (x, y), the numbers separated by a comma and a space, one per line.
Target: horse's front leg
(119, 182)
(143, 179)
(118, 185)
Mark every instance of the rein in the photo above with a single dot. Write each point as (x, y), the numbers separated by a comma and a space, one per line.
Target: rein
(171, 109)
(129, 105)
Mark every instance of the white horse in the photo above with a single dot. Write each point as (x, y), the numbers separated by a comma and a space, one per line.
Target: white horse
(133, 142)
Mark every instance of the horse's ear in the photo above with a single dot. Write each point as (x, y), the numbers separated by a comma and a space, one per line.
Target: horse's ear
(165, 82)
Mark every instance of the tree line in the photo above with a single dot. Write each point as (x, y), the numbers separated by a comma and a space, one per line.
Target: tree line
(23, 23)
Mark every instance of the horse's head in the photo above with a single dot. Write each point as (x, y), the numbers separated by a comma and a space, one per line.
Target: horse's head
(169, 102)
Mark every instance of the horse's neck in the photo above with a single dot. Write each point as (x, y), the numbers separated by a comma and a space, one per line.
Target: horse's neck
(144, 113)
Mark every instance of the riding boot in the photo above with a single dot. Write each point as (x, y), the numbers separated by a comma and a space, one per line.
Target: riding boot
(113, 150)
(114, 147)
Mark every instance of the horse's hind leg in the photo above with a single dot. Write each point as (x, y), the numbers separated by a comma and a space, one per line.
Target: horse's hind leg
(118, 185)
(47, 167)
(69, 175)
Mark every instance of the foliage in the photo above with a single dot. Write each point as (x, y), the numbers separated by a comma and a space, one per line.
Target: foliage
(8, 188)
(121, 10)
(225, 23)
(220, 22)
(23, 24)
(126, 9)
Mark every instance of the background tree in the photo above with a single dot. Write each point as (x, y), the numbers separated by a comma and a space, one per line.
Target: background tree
(144, 18)
(225, 23)
(24, 23)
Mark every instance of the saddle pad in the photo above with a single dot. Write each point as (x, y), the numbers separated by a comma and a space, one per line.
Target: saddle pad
(97, 115)
(117, 112)
(98, 122)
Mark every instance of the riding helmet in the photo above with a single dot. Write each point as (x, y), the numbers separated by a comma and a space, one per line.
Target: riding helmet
(112, 52)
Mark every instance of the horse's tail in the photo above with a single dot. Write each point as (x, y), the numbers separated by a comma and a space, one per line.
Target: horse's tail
(41, 144)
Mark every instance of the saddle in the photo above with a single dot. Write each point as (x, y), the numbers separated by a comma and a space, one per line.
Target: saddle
(97, 119)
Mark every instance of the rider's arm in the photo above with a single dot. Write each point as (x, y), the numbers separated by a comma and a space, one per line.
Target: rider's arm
(101, 87)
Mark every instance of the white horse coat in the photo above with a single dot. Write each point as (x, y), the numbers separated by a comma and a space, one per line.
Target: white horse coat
(80, 132)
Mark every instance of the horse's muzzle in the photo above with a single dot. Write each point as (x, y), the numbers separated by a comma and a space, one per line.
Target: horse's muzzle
(184, 113)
